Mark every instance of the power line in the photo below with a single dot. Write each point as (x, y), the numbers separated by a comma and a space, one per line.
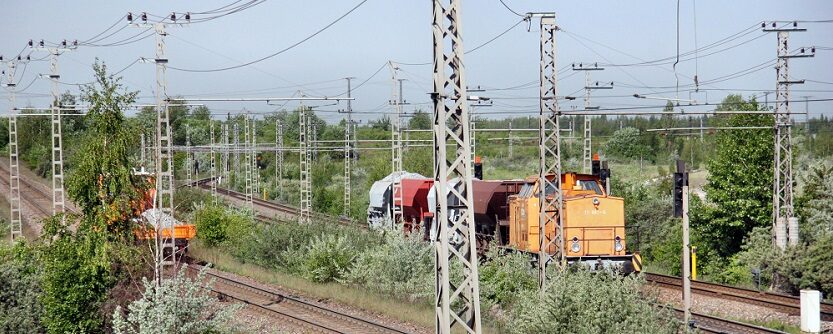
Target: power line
(510, 9)
(278, 52)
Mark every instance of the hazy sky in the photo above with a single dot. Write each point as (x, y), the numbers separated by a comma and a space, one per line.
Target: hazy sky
(610, 31)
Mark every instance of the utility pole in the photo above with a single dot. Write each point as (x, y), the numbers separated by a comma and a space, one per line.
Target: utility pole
(396, 145)
(14, 171)
(588, 87)
(681, 210)
(458, 302)
(58, 198)
(279, 157)
(306, 188)
(189, 161)
(314, 126)
(348, 151)
(550, 227)
(785, 224)
(213, 160)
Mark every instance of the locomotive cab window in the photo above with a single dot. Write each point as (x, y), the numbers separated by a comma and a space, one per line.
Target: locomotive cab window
(591, 185)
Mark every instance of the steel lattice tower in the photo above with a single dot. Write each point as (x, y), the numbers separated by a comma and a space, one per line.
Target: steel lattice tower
(457, 298)
(225, 143)
(247, 156)
(588, 120)
(550, 195)
(279, 157)
(213, 160)
(785, 224)
(189, 160)
(348, 152)
(14, 171)
(164, 158)
(396, 145)
(305, 158)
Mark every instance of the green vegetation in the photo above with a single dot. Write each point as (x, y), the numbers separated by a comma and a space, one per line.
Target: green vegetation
(178, 305)
(588, 302)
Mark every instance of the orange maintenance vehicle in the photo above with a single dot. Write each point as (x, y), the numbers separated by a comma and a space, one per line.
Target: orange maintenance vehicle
(152, 217)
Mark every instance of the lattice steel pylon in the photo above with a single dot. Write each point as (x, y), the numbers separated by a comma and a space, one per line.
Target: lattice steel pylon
(225, 143)
(550, 228)
(213, 160)
(348, 151)
(785, 224)
(189, 159)
(396, 146)
(255, 170)
(279, 157)
(58, 195)
(247, 156)
(457, 298)
(236, 154)
(588, 120)
(305, 159)
(164, 159)
(16, 222)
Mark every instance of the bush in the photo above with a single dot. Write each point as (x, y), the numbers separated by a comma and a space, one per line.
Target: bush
(401, 266)
(178, 305)
(217, 225)
(806, 267)
(328, 258)
(20, 281)
(590, 302)
(504, 277)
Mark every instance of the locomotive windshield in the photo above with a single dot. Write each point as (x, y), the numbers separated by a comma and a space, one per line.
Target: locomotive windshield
(590, 185)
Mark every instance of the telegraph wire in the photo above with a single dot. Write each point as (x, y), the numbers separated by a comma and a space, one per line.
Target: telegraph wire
(511, 10)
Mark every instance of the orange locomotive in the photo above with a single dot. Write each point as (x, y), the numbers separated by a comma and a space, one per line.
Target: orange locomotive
(593, 223)
(151, 216)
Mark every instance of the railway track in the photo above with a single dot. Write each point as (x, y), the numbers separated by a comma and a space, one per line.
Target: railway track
(711, 324)
(785, 303)
(310, 316)
(284, 211)
(32, 193)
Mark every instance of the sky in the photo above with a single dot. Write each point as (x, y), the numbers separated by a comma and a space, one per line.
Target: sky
(607, 32)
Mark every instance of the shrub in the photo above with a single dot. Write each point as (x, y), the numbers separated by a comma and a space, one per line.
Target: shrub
(806, 267)
(178, 305)
(211, 225)
(402, 266)
(590, 302)
(328, 258)
(504, 277)
(20, 280)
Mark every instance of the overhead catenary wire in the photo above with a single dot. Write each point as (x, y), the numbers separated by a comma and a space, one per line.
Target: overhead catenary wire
(316, 33)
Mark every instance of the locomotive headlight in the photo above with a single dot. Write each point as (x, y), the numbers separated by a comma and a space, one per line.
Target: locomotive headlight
(617, 244)
(596, 201)
(576, 246)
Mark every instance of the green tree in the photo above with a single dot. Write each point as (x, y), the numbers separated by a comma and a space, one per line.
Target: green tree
(420, 120)
(81, 266)
(815, 205)
(739, 189)
(627, 143)
(20, 287)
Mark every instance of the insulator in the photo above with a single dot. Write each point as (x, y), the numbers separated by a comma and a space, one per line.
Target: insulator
(795, 24)
(19, 58)
(813, 50)
(28, 58)
(1, 58)
(773, 24)
(144, 17)
(64, 43)
(30, 43)
(129, 17)
(596, 64)
(75, 43)
(802, 50)
(611, 83)
(188, 16)
(173, 17)
(40, 43)
(763, 24)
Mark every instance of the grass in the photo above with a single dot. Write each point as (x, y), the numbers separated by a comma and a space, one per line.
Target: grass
(417, 314)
